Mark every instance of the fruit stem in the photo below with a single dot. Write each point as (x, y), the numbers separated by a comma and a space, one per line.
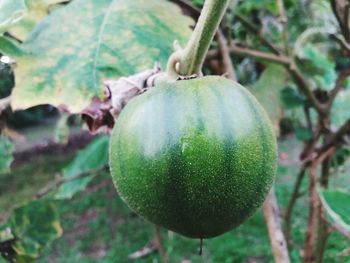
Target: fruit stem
(190, 59)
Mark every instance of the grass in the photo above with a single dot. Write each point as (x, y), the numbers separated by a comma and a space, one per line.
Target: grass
(99, 227)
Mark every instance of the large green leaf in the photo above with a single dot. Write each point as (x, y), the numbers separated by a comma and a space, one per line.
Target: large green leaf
(35, 225)
(337, 205)
(94, 156)
(6, 148)
(11, 11)
(267, 90)
(71, 51)
(291, 98)
(36, 11)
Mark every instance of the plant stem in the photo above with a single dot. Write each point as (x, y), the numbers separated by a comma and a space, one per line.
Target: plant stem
(291, 203)
(323, 230)
(192, 57)
(277, 239)
(160, 246)
(243, 51)
(311, 233)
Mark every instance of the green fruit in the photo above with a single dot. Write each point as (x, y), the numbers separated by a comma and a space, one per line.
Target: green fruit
(196, 156)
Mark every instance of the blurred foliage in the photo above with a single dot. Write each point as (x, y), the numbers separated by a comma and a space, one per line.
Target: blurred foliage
(312, 62)
(36, 10)
(340, 109)
(6, 79)
(6, 158)
(341, 156)
(291, 98)
(267, 90)
(11, 11)
(93, 157)
(30, 228)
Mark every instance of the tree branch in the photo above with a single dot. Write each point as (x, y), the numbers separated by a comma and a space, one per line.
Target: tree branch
(226, 58)
(272, 218)
(304, 87)
(341, 20)
(335, 138)
(248, 52)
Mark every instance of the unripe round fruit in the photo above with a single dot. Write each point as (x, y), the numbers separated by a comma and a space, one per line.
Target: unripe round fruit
(195, 156)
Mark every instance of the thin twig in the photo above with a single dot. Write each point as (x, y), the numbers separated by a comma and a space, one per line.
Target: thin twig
(341, 41)
(292, 200)
(342, 24)
(226, 58)
(272, 219)
(335, 138)
(305, 88)
(61, 180)
(248, 52)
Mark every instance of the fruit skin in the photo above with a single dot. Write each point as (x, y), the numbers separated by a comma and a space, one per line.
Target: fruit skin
(197, 156)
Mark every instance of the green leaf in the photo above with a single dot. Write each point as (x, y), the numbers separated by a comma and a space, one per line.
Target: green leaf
(267, 90)
(5, 233)
(340, 156)
(303, 134)
(6, 158)
(77, 46)
(35, 225)
(94, 156)
(11, 11)
(37, 10)
(6, 80)
(313, 62)
(27, 248)
(337, 205)
(10, 48)
(291, 98)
